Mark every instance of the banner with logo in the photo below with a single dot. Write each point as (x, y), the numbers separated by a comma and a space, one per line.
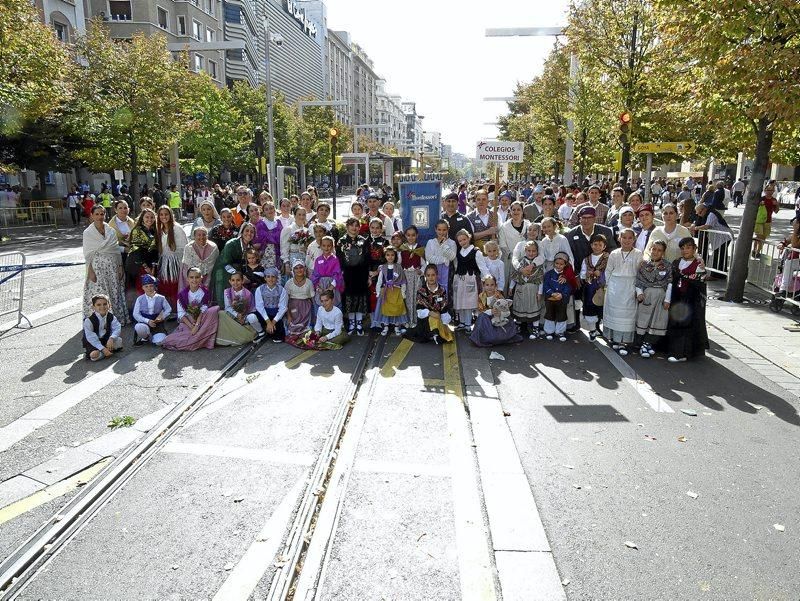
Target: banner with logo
(421, 205)
(500, 151)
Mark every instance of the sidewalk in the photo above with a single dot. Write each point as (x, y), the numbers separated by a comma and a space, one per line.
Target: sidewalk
(755, 335)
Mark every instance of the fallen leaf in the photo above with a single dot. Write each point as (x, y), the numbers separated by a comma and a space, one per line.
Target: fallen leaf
(228, 567)
(691, 494)
(681, 439)
(565, 582)
(507, 413)
(650, 438)
(631, 545)
(174, 567)
(640, 425)
(496, 355)
(238, 499)
(690, 412)
(757, 407)
(576, 486)
(779, 527)
(569, 467)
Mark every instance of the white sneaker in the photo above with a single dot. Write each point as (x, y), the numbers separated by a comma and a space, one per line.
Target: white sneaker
(623, 351)
(676, 359)
(616, 346)
(398, 332)
(562, 338)
(643, 352)
(531, 336)
(549, 336)
(385, 331)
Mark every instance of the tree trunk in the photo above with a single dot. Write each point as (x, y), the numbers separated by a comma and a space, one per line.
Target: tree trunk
(741, 256)
(134, 187)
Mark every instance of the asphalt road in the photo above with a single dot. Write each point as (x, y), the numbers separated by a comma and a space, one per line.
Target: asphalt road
(458, 477)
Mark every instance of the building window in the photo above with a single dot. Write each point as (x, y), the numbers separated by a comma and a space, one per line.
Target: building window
(235, 55)
(199, 62)
(197, 31)
(62, 31)
(233, 14)
(212, 69)
(210, 34)
(181, 25)
(120, 10)
(210, 7)
(163, 18)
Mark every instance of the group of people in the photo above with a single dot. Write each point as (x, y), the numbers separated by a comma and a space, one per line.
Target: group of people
(498, 273)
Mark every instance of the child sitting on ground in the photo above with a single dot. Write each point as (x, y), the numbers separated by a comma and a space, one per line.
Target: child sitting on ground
(102, 332)
(149, 313)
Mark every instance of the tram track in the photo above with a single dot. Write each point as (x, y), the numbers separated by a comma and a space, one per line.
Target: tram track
(291, 560)
(22, 565)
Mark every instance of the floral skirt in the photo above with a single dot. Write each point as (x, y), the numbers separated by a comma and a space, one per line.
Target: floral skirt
(108, 282)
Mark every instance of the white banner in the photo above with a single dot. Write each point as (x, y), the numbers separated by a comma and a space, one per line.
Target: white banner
(499, 151)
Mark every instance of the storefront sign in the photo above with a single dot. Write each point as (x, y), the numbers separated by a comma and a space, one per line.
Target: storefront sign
(308, 26)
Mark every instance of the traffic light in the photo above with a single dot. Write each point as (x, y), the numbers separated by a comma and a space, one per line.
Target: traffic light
(625, 124)
(334, 133)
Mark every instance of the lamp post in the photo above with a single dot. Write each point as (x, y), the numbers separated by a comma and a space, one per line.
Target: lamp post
(301, 104)
(569, 146)
(270, 127)
(334, 134)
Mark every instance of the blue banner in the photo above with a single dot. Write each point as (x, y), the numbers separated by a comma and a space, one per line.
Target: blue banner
(421, 205)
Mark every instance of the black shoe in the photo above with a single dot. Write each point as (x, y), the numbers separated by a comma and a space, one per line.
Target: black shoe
(137, 341)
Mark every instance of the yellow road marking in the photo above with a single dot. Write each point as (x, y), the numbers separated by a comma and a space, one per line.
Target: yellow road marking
(297, 360)
(9, 512)
(396, 358)
(433, 383)
(475, 565)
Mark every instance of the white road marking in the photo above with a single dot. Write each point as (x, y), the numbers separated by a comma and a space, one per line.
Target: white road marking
(263, 455)
(476, 571)
(55, 407)
(244, 578)
(640, 386)
(33, 317)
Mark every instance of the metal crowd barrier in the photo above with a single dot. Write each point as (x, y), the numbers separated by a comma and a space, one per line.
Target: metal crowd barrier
(12, 285)
(716, 248)
(28, 216)
(768, 268)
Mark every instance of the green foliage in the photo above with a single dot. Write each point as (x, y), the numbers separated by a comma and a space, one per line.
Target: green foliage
(35, 67)
(220, 134)
(121, 421)
(314, 138)
(134, 101)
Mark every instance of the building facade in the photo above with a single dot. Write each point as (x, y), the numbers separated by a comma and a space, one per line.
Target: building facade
(180, 21)
(365, 85)
(390, 113)
(66, 17)
(339, 73)
(414, 131)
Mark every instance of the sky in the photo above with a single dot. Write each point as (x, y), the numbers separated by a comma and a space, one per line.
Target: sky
(435, 52)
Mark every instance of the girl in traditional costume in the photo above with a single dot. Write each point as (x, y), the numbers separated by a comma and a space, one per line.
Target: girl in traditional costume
(486, 333)
(593, 275)
(619, 308)
(390, 289)
(352, 251)
(234, 329)
(653, 291)
(412, 258)
(527, 276)
(686, 331)
(197, 318)
(272, 303)
(432, 316)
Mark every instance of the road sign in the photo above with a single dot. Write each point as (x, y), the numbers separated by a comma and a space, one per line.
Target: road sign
(656, 147)
(500, 151)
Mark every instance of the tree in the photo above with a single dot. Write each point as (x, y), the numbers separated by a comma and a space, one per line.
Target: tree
(134, 102)
(618, 43)
(314, 133)
(252, 102)
(34, 67)
(219, 134)
(745, 70)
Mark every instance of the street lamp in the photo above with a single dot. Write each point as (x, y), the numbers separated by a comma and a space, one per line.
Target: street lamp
(301, 104)
(270, 128)
(334, 134)
(569, 151)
